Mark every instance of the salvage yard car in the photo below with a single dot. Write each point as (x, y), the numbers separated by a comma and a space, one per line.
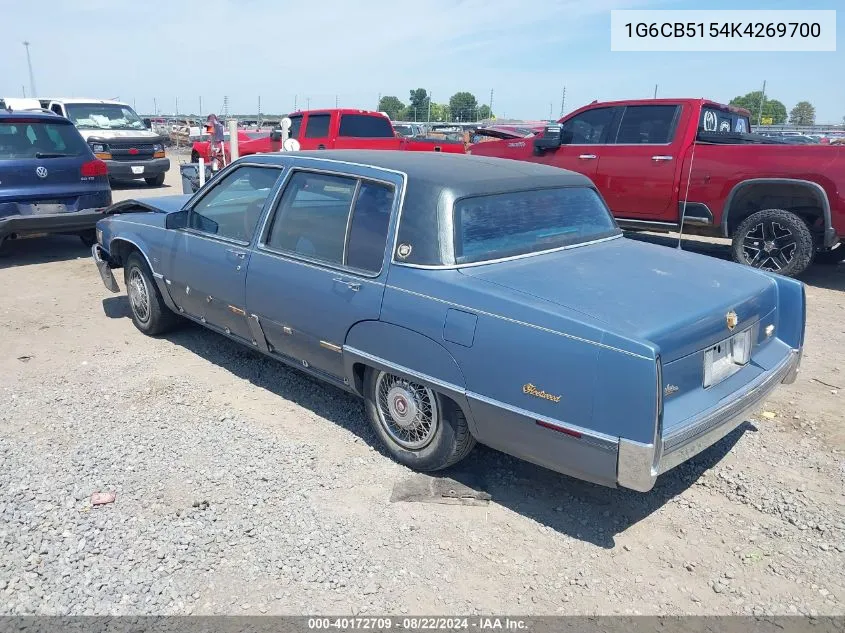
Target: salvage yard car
(50, 181)
(466, 299)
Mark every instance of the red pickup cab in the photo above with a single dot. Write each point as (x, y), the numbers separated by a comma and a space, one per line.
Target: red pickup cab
(692, 164)
(337, 129)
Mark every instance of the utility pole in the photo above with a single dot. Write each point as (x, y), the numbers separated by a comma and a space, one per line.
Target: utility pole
(762, 101)
(491, 102)
(655, 91)
(259, 108)
(155, 106)
(550, 111)
(294, 103)
(307, 103)
(562, 101)
(378, 104)
(428, 117)
(201, 106)
(226, 106)
(177, 106)
(31, 74)
(335, 102)
(23, 90)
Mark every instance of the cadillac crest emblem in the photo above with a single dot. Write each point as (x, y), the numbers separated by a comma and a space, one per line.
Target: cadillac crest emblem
(732, 319)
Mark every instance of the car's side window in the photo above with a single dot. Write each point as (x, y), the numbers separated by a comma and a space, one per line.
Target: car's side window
(588, 128)
(647, 125)
(312, 216)
(317, 126)
(367, 239)
(295, 125)
(232, 208)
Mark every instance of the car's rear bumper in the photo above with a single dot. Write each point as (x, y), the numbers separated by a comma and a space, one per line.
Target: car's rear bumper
(638, 464)
(149, 168)
(73, 222)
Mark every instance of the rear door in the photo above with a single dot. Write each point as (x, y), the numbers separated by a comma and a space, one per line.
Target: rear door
(638, 170)
(366, 131)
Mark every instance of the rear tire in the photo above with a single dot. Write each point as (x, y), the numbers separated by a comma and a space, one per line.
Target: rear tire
(149, 312)
(157, 181)
(420, 428)
(774, 240)
(832, 257)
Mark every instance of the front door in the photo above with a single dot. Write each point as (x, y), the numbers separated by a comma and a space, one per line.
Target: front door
(584, 136)
(211, 253)
(640, 166)
(319, 267)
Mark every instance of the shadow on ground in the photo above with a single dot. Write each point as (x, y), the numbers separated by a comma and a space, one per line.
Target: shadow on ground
(40, 250)
(585, 511)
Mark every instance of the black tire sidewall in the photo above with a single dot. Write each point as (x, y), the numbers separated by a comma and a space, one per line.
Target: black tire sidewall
(157, 322)
(831, 257)
(434, 456)
(805, 248)
(155, 181)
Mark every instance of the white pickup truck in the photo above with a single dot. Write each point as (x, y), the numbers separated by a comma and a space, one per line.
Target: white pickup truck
(117, 136)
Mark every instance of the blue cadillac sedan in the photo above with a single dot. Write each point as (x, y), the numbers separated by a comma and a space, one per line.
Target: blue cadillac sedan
(466, 299)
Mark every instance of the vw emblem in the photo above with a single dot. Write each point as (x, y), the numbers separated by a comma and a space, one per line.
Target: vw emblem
(41, 172)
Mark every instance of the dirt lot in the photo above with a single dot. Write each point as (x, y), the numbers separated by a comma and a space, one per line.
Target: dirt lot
(244, 487)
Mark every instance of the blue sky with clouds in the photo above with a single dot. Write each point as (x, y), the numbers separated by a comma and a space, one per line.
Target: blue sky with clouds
(353, 50)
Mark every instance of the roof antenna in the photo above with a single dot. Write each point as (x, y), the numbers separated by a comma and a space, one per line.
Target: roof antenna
(689, 177)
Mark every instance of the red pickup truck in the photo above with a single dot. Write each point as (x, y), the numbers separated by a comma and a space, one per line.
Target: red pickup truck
(337, 129)
(664, 163)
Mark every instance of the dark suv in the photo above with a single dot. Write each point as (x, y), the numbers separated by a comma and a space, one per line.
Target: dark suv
(50, 181)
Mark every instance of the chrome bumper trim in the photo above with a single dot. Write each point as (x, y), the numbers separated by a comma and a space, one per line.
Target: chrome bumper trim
(638, 465)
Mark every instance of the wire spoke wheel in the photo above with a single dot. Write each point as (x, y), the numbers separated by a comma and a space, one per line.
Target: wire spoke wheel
(139, 295)
(408, 412)
(769, 245)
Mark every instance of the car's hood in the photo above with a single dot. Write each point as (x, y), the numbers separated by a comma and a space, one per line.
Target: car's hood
(99, 133)
(676, 300)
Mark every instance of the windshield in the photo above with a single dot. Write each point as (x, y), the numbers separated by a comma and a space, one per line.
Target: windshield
(509, 224)
(37, 139)
(103, 116)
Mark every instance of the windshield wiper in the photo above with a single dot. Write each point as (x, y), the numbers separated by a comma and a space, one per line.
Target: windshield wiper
(51, 155)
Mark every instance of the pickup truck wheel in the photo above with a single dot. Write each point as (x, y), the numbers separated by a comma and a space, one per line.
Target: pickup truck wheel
(156, 181)
(831, 257)
(420, 429)
(149, 312)
(774, 240)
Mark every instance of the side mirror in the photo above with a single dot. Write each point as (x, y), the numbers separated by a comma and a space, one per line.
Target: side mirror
(276, 136)
(148, 123)
(552, 139)
(177, 220)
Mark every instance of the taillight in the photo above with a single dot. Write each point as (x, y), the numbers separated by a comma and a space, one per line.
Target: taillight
(94, 168)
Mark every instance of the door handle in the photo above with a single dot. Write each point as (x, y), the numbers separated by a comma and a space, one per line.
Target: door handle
(587, 156)
(661, 158)
(238, 254)
(352, 285)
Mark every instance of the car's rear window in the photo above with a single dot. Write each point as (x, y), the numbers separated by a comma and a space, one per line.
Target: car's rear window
(39, 139)
(521, 222)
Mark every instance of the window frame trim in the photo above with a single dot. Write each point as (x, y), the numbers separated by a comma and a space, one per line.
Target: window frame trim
(307, 122)
(201, 195)
(673, 125)
(263, 247)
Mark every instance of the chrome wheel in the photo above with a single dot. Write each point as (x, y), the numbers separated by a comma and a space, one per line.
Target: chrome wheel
(139, 295)
(769, 245)
(408, 412)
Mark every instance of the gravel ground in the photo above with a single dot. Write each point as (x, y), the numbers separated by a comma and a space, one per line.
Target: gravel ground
(243, 487)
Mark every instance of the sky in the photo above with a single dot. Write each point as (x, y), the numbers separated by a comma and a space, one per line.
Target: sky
(322, 52)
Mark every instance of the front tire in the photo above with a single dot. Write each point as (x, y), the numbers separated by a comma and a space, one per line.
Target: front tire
(149, 312)
(156, 181)
(420, 429)
(774, 240)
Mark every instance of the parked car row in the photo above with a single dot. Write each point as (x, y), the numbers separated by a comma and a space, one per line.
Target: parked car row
(465, 299)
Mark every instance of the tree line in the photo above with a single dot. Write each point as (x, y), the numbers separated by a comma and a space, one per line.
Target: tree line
(762, 109)
(462, 106)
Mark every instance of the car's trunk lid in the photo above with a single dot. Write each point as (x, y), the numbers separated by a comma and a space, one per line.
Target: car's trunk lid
(676, 300)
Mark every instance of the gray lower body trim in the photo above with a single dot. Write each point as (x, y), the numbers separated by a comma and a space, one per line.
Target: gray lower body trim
(640, 464)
